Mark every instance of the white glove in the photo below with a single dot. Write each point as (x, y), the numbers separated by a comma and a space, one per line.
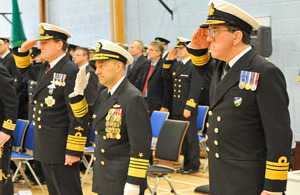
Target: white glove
(131, 189)
(82, 79)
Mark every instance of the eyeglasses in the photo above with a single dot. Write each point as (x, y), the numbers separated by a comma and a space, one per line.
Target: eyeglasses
(213, 32)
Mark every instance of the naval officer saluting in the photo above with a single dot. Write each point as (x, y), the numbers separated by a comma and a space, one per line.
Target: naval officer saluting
(121, 121)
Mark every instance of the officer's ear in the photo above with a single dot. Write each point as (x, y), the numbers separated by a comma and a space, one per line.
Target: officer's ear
(119, 66)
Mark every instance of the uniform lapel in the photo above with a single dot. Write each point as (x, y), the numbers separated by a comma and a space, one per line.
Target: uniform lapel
(181, 68)
(231, 78)
(110, 102)
(46, 78)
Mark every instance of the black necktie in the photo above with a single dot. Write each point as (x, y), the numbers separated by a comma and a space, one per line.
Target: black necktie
(226, 67)
(107, 96)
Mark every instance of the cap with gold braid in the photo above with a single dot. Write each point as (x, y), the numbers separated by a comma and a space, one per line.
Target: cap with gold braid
(224, 13)
(162, 40)
(106, 50)
(4, 39)
(49, 31)
(182, 42)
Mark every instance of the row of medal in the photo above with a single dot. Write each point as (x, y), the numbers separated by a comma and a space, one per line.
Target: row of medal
(59, 79)
(248, 80)
(113, 123)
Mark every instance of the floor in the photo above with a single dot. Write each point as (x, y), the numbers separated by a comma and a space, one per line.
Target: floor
(183, 184)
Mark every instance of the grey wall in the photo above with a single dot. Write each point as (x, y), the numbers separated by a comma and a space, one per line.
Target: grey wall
(89, 21)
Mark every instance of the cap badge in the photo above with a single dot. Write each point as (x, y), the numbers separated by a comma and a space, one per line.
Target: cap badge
(98, 47)
(42, 30)
(211, 10)
(178, 41)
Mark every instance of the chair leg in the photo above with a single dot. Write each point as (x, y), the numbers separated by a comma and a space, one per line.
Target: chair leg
(171, 185)
(22, 173)
(88, 169)
(34, 175)
(17, 170)
(155, 186)
(205, 166)
(149, 188)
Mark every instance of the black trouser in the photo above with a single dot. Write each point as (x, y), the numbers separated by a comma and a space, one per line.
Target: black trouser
(8, 188)
(62, 179)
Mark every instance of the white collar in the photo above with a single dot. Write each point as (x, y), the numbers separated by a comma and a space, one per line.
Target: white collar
(54, 62)
(115, 87)
(236, 58)
(5, 54)
(185, 60)
(85, 65)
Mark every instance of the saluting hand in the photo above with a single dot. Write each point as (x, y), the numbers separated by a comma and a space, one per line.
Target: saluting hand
(27, 45)
(172, 54)
(81, 81)
(199, 39)
(69, 160)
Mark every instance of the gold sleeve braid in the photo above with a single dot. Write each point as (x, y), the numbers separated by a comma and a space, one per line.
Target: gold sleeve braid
(22, 62)
(166, 66)
(76, 142)
(277, 170)
(138, 167)
(80, 108)
(200, 60)
(9, 125)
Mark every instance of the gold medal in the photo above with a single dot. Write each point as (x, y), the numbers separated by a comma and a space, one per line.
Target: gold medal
(118, 136)
(107, 117)
(107, 123)
(118, 130)
(248, 86)
(242, 85)
(50, 101)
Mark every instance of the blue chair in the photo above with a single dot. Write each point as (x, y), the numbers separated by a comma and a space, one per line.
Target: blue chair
(89, 151)
(19, 134)
(157, 120)
(23, 158)
(201, 117)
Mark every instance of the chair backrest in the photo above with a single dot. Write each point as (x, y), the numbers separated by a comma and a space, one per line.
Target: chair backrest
(19, 134)
(29, 139)
(157, 120)
(92, 136)
(170, 140)
(202, 113)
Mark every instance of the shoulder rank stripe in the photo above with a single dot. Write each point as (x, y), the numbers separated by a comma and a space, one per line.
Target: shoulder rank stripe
(80, 108)
(8, 124)
(200, 60)
(277, 170)
(22, 62)
(167, 66)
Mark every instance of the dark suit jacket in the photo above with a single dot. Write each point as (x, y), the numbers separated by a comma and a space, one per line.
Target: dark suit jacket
(8, 102)
(20, 83)
(115, 159)
(249, 144)
(136, 73)
(56, 131)
(159, 89)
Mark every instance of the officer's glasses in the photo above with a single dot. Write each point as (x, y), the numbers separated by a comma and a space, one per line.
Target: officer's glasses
(213, 32)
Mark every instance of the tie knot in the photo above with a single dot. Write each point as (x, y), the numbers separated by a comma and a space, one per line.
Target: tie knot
(226, 67)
